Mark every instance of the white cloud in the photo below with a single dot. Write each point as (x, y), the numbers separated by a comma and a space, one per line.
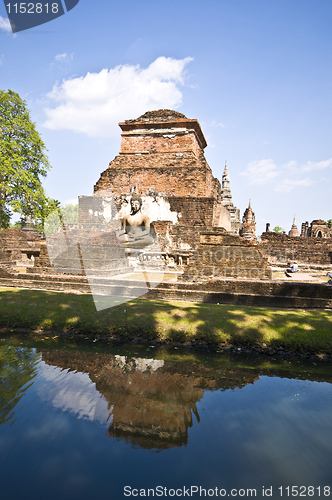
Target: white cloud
(213, 124)
(286, 177)
(5, 25)
(73, 392)
(286, 185)
(1, 59)
(320, 165)
(307, 167)
(291, 166)
(95, 103)
(261, 171)
(64, 57)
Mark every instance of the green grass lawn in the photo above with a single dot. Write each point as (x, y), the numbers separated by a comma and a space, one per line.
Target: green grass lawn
(161, 320)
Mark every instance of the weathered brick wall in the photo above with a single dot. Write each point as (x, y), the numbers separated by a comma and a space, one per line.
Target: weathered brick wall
(17, 246)
(227, 256)
(91, 213)
(281, 248)
(164, 141)
(163, 126)
(89, 206)
(16, 238)
(194, 211)
(191, 211)
(222, 217)
(162, 230)
(185, 237)
(42, 261)
(250, 293)
(82, 251)
(169, 174)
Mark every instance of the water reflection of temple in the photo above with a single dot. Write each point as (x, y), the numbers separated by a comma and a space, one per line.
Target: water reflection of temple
(151, 403)
(152, 408)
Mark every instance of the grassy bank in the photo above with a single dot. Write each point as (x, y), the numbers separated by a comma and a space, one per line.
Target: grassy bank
(211, 324)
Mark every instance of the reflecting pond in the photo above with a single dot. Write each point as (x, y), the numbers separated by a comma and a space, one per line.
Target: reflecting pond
(82, 420)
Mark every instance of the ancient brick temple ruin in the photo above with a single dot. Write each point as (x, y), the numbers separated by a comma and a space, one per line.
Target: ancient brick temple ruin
(162, 159)
(19, 248)
(197, 235)
(312, 248)
(317, 229)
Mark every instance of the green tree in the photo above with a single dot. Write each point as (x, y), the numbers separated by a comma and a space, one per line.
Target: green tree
(4, 217)
(278, 229)
(17, 369)
(22, 163)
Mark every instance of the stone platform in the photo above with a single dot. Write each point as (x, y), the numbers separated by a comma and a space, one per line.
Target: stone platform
(266, 293)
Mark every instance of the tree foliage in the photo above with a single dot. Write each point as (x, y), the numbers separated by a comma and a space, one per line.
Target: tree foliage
(23, 162)
(17, 369)
(63, 215)
(278, 229)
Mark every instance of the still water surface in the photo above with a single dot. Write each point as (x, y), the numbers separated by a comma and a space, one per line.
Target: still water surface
(83, 421)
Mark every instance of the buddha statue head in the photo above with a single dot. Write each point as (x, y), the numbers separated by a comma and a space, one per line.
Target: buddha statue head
(135, 203)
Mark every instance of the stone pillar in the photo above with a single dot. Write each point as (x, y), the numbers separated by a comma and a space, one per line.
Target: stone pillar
(304, 229)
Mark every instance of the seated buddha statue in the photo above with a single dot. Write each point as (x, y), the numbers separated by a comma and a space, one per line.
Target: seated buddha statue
(135, 230)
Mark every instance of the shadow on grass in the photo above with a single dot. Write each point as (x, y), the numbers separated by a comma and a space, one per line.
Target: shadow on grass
(54, 311)
(203, 323)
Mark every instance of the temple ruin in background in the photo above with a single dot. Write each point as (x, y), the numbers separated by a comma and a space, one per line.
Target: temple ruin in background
(226, 200)
(195, 230)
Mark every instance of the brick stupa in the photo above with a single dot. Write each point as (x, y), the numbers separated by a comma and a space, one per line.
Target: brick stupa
(162, 159)
(162, 153)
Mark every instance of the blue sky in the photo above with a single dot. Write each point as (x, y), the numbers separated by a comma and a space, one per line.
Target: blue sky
(257, 75)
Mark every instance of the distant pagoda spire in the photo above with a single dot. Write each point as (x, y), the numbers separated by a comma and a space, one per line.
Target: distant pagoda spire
(226, 200)
(226, 195)
(248, 230)
(250, 213)
(294, 231)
